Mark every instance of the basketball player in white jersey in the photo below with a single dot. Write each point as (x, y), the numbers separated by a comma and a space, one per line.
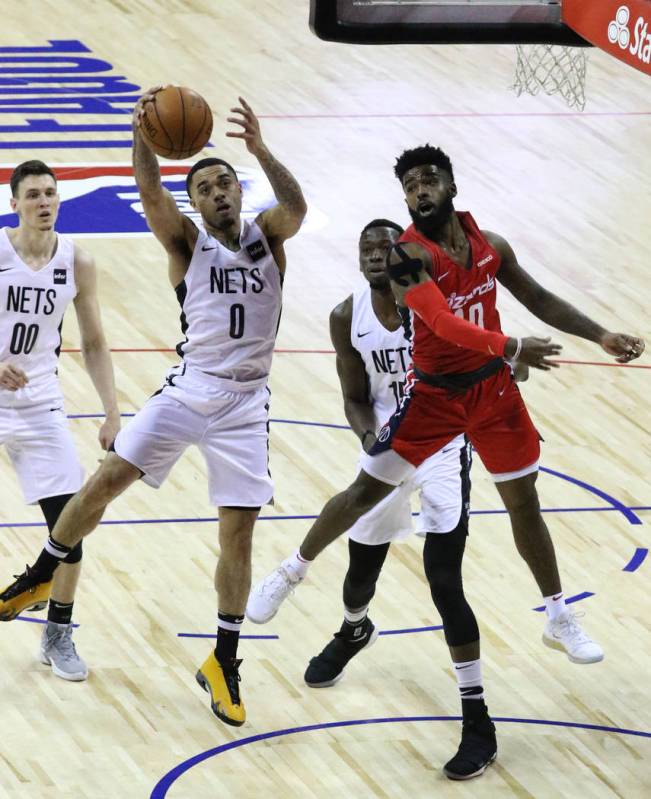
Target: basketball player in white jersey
(41, 273)
(228, 278)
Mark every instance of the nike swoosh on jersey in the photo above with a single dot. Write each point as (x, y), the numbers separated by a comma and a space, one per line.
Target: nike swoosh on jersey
(440, 277)
(6, 269)
(205, 249)
(361, 335)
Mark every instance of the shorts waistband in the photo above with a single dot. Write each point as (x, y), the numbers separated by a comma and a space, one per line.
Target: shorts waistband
(215, 381)
(463, 380)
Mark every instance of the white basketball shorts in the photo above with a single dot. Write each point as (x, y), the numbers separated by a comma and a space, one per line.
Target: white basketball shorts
(230, 428)
(42, 450)
(443, 483)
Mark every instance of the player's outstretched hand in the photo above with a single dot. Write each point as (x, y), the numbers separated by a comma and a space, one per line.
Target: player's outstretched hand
(12, 377)
(250, 125)
(624, 348)
(536, 352)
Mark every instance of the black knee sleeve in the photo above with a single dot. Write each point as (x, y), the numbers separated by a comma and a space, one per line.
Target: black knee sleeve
(442, 558)
(365, 565)
(74, 556)
(52, 507)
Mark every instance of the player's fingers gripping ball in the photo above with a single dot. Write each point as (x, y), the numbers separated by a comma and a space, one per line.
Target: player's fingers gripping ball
(176, 123)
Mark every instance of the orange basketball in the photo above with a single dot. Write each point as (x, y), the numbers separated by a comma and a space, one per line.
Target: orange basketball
(177, 124)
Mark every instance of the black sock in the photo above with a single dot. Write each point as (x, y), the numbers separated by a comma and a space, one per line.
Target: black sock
(46, 563)
(228, 636)
(59, 612)
(473, 709)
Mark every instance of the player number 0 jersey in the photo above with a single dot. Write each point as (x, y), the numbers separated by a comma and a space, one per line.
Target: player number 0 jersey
(230, 308)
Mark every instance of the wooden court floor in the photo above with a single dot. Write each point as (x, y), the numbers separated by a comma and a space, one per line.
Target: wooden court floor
(569, 191)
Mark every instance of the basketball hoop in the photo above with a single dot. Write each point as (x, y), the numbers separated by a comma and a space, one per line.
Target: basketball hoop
(553, 69)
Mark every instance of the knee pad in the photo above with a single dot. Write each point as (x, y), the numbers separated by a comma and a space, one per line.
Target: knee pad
(74, 556)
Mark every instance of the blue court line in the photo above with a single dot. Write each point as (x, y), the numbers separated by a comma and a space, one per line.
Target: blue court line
(35, 621)
(163, 785)
(277, 637)
(210, 635)
(411, 630)
(51, 145)
(615, 503)
(304, 517)
(569, 600)
(637, 560)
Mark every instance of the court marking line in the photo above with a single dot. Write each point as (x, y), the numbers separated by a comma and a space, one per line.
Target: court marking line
(294, 351)
(308, 517)
(637, 560)
(212, 635)
(629, 514)
(569, 600)
(163, 785)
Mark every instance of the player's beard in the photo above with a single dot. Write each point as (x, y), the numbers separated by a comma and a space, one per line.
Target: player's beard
(430, 226)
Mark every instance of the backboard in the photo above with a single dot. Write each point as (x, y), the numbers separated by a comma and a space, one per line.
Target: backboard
(442, 22)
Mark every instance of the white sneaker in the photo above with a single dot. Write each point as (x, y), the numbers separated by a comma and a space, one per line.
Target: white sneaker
(565, 633)
(58, 651)
(269, 594)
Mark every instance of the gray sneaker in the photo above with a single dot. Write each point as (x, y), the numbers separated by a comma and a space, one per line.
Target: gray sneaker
(58, 651)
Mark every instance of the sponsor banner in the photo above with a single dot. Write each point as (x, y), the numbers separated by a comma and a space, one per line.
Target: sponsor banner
(102, 199)
(621, 29)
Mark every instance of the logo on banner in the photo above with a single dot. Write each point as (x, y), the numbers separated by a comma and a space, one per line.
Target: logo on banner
(619, 33)
(103, 199)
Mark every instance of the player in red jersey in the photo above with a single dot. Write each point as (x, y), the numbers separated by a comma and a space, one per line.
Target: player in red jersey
(445, 271)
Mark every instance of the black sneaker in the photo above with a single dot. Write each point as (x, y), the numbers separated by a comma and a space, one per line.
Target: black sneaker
(477, 750)
(328, 667)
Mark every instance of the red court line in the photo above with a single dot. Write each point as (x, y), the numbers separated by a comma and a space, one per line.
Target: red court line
(462, 114)
(332, 352)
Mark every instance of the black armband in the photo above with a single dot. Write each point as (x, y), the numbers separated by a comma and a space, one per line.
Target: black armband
(407, 266)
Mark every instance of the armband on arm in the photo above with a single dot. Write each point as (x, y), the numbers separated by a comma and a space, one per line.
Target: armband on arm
(428, 302)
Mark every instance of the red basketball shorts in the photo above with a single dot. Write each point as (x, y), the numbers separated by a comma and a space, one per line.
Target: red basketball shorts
(492, 414)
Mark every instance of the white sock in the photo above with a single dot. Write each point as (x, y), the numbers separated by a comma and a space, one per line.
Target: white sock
(354, 617)
(555, 606)
(468, 676)
(297, 565)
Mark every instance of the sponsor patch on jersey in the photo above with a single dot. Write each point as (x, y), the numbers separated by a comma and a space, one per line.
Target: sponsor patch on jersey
(61, 276)
(256, 250)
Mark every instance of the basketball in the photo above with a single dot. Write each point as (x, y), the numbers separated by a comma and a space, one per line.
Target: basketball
(177, 124)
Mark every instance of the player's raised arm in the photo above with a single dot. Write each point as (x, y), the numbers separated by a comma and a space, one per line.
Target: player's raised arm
(283, 220)
(409, 268)
(352, 375)
(174, 230)
(557, 312)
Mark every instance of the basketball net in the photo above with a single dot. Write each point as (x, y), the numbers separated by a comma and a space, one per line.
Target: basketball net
(553, 69)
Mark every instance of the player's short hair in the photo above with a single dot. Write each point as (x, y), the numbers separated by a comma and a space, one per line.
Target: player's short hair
(421, 156)
(202, 165)
(25, 169)
(382, 223)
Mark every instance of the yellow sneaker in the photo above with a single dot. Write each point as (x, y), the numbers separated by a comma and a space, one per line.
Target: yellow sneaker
(23, 594)
(223, 686)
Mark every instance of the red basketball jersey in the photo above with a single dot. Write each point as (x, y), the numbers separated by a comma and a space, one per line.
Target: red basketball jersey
(471, 294)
